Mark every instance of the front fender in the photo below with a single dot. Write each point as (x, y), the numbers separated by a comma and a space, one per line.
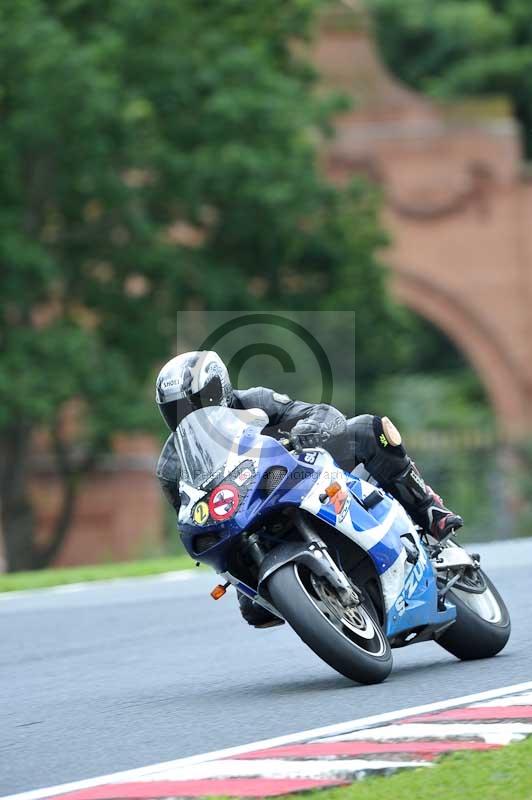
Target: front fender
(281, 555)
(317, 560)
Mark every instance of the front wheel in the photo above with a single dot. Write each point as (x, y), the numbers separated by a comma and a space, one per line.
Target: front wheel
(482, 625)
(350, 640)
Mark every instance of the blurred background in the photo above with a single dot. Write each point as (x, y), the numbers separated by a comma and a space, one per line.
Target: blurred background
(165, 158)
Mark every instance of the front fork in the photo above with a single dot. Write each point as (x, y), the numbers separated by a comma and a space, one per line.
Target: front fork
(332, 574)
(314, 554)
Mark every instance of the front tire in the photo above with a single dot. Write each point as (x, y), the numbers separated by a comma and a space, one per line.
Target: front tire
(482, 626)
(350, 641)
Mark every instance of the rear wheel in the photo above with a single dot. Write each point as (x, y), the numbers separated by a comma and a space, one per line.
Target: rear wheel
(482, 625)
(350, 639)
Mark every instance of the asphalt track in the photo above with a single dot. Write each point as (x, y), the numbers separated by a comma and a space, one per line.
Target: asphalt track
(114, 676)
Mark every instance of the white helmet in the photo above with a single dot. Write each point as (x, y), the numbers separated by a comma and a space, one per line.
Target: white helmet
(190, 381)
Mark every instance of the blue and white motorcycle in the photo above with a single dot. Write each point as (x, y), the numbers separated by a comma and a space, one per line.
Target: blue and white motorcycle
(327, 551)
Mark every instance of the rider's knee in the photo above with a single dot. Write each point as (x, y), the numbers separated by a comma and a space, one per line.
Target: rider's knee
(360, 429)
(359, 440)
(387, 457)
(386, 433)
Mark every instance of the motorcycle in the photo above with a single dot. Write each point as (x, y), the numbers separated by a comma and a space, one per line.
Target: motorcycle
(327, 551)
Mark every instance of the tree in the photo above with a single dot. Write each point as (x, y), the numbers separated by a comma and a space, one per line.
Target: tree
(153, 156)
(461, 47)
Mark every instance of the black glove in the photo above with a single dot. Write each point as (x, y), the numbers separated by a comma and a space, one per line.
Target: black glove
(309, 433)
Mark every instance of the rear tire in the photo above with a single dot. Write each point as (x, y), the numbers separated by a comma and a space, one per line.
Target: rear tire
(333, 639)
(482, 626)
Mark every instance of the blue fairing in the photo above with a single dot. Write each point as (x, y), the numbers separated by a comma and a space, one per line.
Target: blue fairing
(297, 481)
(377, 530)
(417, 604)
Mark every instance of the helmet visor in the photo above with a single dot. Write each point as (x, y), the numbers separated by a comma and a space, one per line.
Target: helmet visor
(210, 395)
(176, 410)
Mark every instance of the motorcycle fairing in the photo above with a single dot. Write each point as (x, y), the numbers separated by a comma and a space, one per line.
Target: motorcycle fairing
(264, 452)
(409, 590)
(417, 603)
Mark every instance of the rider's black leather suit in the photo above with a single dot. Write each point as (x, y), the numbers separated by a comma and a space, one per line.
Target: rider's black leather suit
(353, 441)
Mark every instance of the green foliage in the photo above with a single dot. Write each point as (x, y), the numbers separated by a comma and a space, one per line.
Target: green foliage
(42, 579)
(441, 408)
(502, 774)
(120, 123)
(157, 156)
(435, 401)
(460, 47)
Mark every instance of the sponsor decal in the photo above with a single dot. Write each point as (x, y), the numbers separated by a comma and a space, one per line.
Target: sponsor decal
(242, 477)
(400, 605)
(383, 440)
(201, 513)
(223, 502)
(309, 457)
(412, 582)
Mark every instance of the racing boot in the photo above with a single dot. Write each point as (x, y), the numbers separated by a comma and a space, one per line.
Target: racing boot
(423, 504)
(255, 615)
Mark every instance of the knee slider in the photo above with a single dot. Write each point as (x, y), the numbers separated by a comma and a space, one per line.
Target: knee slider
(388, 459)
(387, 435)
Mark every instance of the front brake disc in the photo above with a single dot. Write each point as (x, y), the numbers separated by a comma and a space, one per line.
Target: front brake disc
(331, 600)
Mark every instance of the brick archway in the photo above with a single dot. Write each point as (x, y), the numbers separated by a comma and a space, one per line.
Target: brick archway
(457, 207)
(472, 337)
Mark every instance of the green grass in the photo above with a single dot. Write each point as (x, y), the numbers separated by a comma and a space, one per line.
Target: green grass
(504, 774)
(40, 579)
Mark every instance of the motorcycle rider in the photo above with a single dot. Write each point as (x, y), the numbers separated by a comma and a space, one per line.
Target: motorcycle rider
(197, 379)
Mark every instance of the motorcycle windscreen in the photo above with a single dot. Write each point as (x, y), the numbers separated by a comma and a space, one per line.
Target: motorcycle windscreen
(207, 438)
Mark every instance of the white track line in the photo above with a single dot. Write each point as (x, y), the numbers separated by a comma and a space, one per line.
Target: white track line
(315, 733)
(490, 732)
(282, 769)
(520, 700)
